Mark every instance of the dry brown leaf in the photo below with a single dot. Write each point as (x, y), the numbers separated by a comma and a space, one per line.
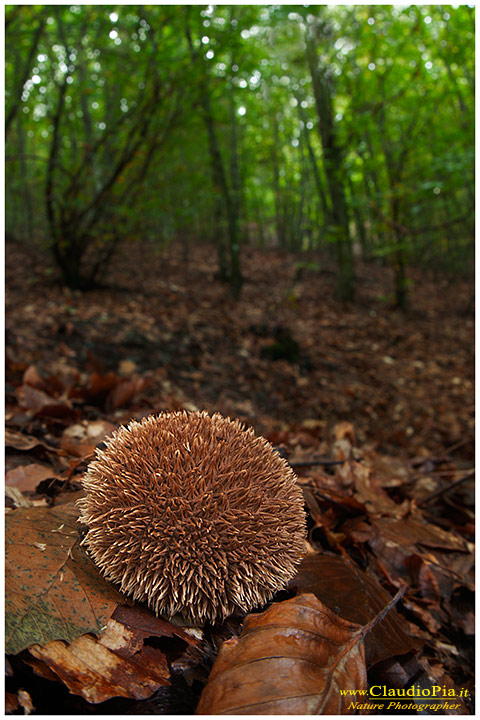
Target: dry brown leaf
(371, 494)
(38, 402)
(25, 701)
(97, 389)
(53, 590)
(11, 703)
(448, 555)
(293, 659)
(356, 596)
(32, 377)
(28, 477)
(123, 393)
(118, 664)
(90, 669)
(19, 441)
(414, 529)
(361, 477)
(144, 623)
(82, 438)
(389, 471)
(344, 431)
(17, 497)
(423, 578)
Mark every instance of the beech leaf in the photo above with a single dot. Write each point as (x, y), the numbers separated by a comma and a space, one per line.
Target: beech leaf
(97, 672)
(28, 477)
(356, 596)
(117, 664)
(53, 590)
(292, 659)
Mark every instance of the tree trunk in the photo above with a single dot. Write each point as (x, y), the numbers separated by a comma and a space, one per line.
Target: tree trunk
(220, 183)
(333, 163)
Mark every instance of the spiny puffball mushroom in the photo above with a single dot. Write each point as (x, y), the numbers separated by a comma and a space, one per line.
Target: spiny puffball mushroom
(193, 514)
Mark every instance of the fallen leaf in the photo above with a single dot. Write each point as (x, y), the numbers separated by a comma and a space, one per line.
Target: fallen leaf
(17, 497)
(56, 593)
(423, 578)
(370, 493)
(97, 389)
(123, 393)
(388, 471)
(28, 477)
(413, 530)
(38, 403)
(145, 624)
(25, 701)
(90, 669)
(293, 659)
(357, 597)
(81, 439)
(119, 663)
(19, 441)
(11, 703)
(32, 377)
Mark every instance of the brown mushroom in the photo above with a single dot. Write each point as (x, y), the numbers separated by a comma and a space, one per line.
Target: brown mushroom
(193, 514)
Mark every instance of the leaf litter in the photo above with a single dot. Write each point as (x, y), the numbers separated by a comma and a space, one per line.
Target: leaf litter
(382, 450)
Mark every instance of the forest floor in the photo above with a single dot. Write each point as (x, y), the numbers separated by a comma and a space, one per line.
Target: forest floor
(301, 368)
(405, 381)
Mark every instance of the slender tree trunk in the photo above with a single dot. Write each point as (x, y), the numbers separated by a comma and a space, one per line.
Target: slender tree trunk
(359, 221)
(394, 166)
(319, 185)
(236, 279)
(220, 183)
(399, 260)
(333, 163)
(277, 190)
(26, 214)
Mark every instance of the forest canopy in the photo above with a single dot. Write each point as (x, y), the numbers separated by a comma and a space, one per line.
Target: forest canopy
(342, 129)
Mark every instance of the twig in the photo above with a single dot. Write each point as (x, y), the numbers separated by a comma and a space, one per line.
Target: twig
(323, 462)
(457, 445)
(440, 472)
(378, 618)
(445, 489)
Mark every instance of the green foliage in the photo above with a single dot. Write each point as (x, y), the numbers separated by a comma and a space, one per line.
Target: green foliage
(106, 133)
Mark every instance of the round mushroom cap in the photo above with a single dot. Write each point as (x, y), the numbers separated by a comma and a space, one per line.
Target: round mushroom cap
(193, 514)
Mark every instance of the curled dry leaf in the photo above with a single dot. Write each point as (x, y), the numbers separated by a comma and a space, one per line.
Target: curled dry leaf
(53, 590)
(19, 441)
(361, 476)
(97, 388)
(293, 659)
(123, 393)
(423, 578)
(369, 492)
(37, 402)
(449, 556)
(144, 623)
